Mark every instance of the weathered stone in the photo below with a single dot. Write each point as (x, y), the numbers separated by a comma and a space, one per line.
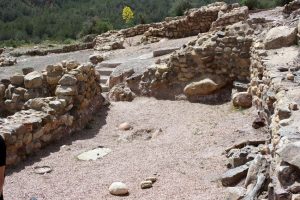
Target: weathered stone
(203, 87)
(66, 90)
(118, 189)
(33, 80)
(281, 36)
(235, 193)
(17, 79)
(290, 153)
(94, 154)
(235, 175)
(27, 70)
(242, 99)
(68, 80)
(96, 58)
(125, 126)
(146, 184)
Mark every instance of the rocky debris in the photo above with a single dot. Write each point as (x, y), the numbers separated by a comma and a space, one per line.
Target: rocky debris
(94, 154)
(125, 126)
(242, 100)
(121, 92)
(109, 41)
(240, 156)
(96, 58)
(118, 189)
(248, 163)
(7, 61)
(141, 134)
(279, 37)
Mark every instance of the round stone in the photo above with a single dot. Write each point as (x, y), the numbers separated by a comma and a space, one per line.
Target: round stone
(118, 189)
(146, 184)
(125, 126)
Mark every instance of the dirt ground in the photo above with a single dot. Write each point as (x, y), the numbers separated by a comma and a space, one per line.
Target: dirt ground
(186, 156)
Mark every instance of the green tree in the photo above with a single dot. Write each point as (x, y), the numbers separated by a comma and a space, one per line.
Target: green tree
(179, 7)
(127, 14)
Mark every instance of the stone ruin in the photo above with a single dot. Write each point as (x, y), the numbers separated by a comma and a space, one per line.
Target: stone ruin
(41, 107)
(231, 51)
(237, 54)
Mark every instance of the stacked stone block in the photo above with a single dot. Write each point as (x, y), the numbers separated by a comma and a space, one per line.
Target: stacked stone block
(46, 106)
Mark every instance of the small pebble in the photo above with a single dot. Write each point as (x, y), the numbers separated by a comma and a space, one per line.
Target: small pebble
(125, 126)
(152, 179)
(118, 189)
(290, 77)
(146, 184)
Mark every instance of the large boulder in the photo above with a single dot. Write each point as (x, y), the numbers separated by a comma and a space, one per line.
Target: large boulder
(204, 87)
(33, 80)
(242, 99)
(279, 37)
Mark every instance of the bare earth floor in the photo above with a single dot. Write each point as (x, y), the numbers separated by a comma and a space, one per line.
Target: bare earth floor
(186, 156)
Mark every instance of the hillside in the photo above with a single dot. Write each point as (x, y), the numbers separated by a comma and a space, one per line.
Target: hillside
(32, 21)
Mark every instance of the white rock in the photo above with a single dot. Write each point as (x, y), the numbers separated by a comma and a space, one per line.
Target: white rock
(118, 188)
(94, 154)
(125, 126)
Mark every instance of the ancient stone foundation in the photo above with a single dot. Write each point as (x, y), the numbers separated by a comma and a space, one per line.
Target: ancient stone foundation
(42, 107)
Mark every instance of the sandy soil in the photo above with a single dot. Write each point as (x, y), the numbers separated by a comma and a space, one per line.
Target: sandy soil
(186, 156)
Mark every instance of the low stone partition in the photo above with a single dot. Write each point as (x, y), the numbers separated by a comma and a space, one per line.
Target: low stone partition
(139, 29)
(42, 107)
(206, 65)
(276, 95)
(234, 16)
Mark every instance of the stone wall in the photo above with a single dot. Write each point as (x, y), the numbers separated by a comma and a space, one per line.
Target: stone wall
(276, 96)
(195, 21)
(42, 107)
(221, 56)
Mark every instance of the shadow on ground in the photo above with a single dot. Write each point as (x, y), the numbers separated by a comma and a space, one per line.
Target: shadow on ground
(91, 130)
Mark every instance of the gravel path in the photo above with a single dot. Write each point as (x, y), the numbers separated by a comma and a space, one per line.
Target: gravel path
(186, 156)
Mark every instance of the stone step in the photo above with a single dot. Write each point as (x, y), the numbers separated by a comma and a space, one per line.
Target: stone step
(105, 88)
(106, 71)
(164, 51)
(104, 79)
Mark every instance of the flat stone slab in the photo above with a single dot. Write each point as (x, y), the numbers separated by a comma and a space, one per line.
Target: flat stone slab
(164, 51)
(94, 154)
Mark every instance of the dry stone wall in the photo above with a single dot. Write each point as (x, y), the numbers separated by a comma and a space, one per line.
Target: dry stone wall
(219, 56)
(46, 106)
(195, 21)
(276, 96)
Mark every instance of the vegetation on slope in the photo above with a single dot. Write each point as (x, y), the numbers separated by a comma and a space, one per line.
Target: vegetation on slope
(34, 21)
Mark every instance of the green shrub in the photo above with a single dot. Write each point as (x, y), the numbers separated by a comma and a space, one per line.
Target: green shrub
(251, 4)
(283, 2)
(179, 7)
